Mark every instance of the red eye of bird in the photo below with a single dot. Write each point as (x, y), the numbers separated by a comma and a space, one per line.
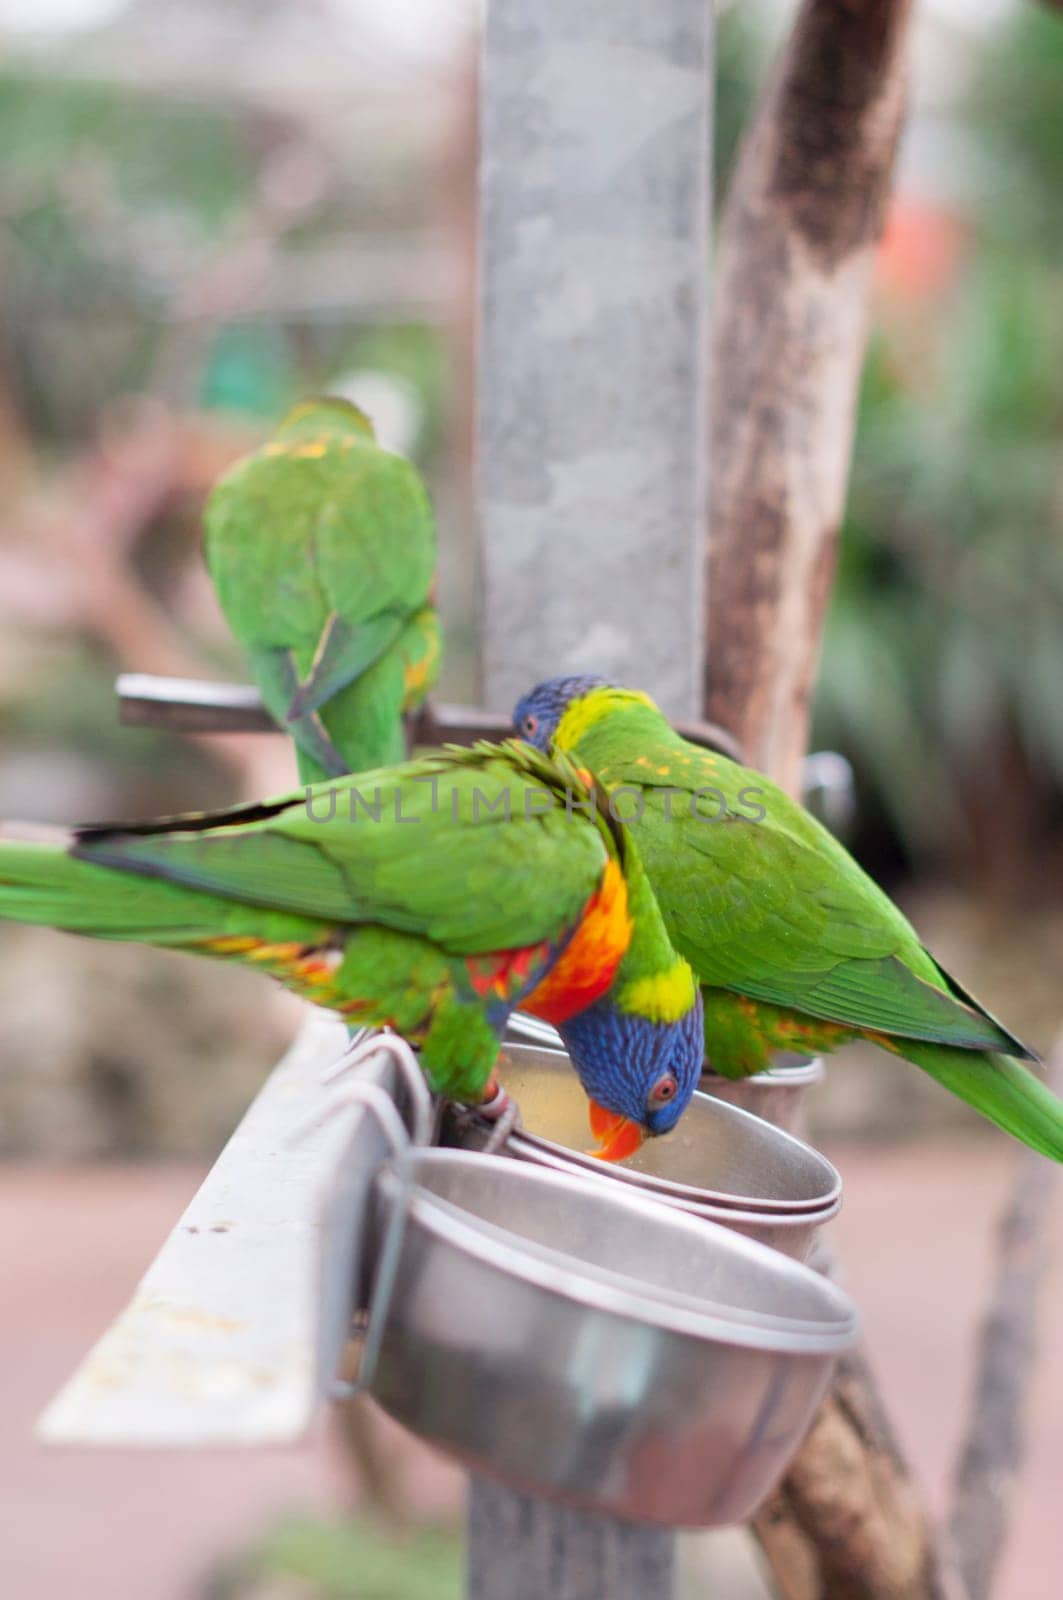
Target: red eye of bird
(531, 726)
(666, 1088)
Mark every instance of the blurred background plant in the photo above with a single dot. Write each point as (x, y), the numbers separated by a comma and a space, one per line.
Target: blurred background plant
(944, 654)
(349, 1561)
(211, 208)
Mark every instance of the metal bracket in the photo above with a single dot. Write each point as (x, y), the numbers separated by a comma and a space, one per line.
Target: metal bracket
(343, 1267)
(189, 705)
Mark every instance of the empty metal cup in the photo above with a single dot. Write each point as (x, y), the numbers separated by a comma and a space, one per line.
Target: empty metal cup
(775, 1095)
(793, 1232)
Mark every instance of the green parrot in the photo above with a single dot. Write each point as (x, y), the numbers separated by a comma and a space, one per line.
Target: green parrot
(321, 547)
(794, 945)
(433, 897)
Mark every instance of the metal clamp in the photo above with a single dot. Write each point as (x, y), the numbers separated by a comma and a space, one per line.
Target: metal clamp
(369, 1043)
(373, 1098)
(380, 1104)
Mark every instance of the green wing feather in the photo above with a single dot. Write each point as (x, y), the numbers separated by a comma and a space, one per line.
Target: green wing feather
(456, 847)
(782, 912)
(275, 672)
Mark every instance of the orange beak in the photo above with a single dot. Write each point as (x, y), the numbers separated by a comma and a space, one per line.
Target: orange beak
(617, 1136)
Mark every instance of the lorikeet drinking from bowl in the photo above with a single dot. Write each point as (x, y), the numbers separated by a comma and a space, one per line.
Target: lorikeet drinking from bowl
(795, 947)
(434, 897)
(321, 547)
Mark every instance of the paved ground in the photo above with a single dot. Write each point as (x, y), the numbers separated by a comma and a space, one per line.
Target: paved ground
(916, 1235)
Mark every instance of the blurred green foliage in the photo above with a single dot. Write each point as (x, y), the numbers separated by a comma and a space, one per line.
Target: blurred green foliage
(112, 201)
(1017, 115)
(741, 50)
(352, 1561)
(259, 370)
(102, 192)
(945, 635)
(943, 657)
(48, 123)
(248, 369)
(943, 660)
(135, 220)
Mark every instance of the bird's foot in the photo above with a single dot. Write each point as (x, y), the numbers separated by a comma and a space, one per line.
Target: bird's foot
(504, 1112)
(497, 1107)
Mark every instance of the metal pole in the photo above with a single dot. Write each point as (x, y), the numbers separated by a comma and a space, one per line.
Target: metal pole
(189, 705)
(595, 188)
(523, 1549)
(595, 194)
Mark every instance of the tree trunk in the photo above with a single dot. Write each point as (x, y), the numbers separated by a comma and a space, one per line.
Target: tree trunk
(797, 252)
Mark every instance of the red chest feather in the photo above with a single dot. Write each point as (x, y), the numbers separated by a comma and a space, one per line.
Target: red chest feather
(587, 966)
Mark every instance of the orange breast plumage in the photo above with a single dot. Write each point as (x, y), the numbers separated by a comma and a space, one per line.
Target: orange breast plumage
(586, 967)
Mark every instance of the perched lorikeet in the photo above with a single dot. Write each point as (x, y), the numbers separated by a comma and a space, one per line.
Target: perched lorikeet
(435, 897)
(794, 945)
(321, 547)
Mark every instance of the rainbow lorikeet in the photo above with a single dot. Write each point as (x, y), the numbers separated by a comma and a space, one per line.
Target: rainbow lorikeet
(794, 945)
(434, 897)
(321, 547)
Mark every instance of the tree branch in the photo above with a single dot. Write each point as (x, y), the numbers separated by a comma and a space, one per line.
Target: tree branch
(796, 261)
(991, 1458)
(797, 250)
(847, 1522)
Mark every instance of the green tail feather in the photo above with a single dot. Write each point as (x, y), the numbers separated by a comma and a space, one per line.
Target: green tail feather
(1005, 1091)
(40, 883)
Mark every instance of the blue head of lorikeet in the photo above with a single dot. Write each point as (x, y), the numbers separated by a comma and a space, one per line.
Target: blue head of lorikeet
(537, 715)
(644, 1070)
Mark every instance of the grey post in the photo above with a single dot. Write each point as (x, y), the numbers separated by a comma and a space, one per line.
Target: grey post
(595, 192)
(595, 185)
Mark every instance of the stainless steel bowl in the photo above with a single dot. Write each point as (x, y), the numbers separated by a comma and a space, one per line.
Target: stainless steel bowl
(794, 1233)
(524, 1029)
(774, 1095)
(649, 1365)
(718, 1155)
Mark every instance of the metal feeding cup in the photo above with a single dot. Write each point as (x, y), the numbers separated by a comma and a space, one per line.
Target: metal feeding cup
(720, 1162)
(567, 1334)
(774, 1095)
(582, 1342)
